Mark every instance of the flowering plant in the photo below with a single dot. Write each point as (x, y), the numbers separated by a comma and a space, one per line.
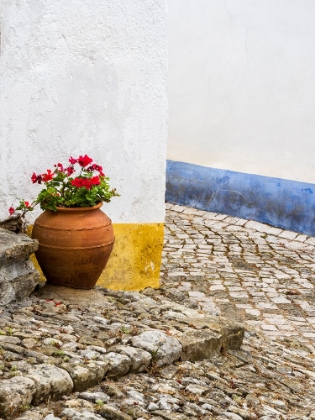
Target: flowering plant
(65, 188)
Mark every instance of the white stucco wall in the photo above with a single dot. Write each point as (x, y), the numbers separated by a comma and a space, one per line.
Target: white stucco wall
(85, 76)
(242, 85)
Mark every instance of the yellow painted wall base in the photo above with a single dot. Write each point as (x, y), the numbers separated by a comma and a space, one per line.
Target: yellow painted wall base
(136, 258)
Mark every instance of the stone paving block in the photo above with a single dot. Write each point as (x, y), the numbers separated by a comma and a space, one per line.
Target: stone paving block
(307, 285)
(178, 274)
(296, 245)
(87, 375)
(50, 381)
(71, 413)
(310, 241)
(241, 222)
(254, 312)
(209, 215)
(260, 227)
(239, 295)
(273, 334)
(280, 300)
(286, 234)
(118, 364)
(167, 415)
(220, 216)
(232, 333)
(177, 208)
(199, 345)
(196, 295)
(15, 394)
(140, 359)
(278, 318)
(262, 305)
(290, 333)
(217, 287)
(190, 210)
(163, 348)
(268, 327)
(182, 235)
(285, 327)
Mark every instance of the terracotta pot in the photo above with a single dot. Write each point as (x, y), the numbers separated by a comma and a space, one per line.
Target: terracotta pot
(74, 245)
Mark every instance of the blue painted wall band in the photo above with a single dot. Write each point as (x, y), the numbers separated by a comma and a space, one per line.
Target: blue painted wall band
(275, 201)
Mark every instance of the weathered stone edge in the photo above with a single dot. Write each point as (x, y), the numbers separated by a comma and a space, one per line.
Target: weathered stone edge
(20, 246)
(46, 382)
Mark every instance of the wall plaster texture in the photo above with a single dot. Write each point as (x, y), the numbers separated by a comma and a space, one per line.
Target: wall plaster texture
(242, 86)
(85, 76)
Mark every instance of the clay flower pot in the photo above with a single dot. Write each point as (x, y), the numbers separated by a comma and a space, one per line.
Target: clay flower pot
(74, 245)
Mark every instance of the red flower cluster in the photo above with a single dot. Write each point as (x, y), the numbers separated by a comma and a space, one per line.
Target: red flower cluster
(47, 177)
(63, 189)
(50, 175)
(84, 161)
(26, 204)
(59, 166)
(36, 178)
(96, 167)
(86, 182)
(43, 177)
(69, 170)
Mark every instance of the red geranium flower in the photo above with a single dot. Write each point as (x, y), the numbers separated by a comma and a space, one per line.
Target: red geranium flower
(11, 211)
(77, 182)
(69, 171)
(47, 177)
(86, 182)
(95, 180)
(36, 178)
(84, 161)
(72, 160)
(59, 167)
(27, 204)
(96, 167)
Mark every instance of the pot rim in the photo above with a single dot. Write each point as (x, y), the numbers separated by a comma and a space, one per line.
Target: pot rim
(76, 209)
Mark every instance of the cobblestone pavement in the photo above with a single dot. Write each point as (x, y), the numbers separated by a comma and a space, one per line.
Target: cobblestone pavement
(243, 270)
(228, 268)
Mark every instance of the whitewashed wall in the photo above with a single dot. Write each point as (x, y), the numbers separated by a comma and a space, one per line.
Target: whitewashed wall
(85, 76)
(242, 85)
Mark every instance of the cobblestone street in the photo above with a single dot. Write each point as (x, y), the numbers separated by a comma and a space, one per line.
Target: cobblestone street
(243, 270)
(173, 353)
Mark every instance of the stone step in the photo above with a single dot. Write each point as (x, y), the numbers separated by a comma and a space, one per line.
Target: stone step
(18, 278)
(180, 334)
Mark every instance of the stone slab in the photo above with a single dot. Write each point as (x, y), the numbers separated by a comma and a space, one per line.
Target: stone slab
(18, 277)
